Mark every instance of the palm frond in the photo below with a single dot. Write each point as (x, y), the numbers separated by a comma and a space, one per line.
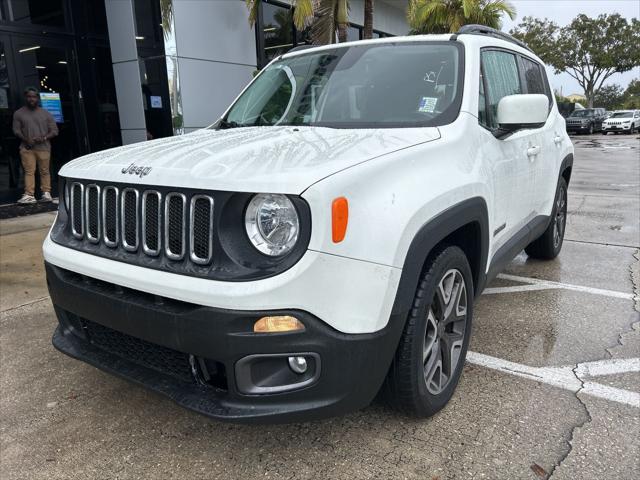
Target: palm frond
(303, 14)
(254, 7)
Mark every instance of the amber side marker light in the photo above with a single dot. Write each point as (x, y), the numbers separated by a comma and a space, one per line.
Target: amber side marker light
(340, 219)
(283, 323)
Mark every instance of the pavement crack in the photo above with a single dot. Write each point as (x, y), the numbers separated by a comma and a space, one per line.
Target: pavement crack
(634, 275)
(588, 419)
(26, 304)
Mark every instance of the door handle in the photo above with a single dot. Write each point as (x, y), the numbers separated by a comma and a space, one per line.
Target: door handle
(558, 139)
(533, 151)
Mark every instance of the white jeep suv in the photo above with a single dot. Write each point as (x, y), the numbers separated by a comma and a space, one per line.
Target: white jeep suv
(627, 121)
(323, 241)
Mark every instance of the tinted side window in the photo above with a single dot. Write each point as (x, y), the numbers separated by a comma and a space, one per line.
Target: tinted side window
(500, 70)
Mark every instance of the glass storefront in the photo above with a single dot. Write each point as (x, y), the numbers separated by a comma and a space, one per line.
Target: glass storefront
(70, 64)
(276, 33)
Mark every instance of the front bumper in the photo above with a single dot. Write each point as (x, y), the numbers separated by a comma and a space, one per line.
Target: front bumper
(615, 128)
(164, 345)
(577, 128)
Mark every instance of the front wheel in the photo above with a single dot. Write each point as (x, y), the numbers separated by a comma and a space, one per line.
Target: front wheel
(548, 245)
(591, 129)
(431, 353)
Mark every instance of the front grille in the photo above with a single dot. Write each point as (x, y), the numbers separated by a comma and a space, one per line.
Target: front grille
(137, 220)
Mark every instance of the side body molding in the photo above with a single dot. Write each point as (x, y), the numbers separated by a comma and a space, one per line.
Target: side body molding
(472, 212)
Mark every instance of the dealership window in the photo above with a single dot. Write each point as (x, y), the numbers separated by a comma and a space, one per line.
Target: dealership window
(276, 33)
(49, 13)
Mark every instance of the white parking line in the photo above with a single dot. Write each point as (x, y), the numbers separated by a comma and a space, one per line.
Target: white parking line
(517, 288)
(564, 377)
(548, 284)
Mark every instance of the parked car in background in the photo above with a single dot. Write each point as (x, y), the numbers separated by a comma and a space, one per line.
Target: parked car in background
(627, 121)
(588, 120)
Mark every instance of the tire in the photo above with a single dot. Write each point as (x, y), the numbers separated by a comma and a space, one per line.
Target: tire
(591, 129)
(548, 245)
(604, 133)
(420, 382)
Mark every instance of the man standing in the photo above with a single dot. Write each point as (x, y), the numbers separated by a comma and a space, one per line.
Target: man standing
(34, 126)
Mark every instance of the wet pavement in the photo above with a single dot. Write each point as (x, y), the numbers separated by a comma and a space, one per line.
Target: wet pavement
(551, 386)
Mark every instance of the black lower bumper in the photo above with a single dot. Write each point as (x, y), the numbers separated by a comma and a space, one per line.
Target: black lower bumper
(192, 353)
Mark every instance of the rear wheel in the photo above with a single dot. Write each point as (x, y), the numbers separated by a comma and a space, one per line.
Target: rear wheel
(430, 356)
(548, 245)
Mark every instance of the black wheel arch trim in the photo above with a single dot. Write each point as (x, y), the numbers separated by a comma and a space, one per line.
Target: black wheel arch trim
(472, 211)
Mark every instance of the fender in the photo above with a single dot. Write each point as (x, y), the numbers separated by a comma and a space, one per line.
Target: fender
(471, 211)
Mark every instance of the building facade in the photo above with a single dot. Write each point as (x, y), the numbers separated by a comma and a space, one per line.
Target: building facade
(116, 72)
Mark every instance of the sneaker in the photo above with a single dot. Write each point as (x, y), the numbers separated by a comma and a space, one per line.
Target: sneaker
(27, 199)
(46, 197)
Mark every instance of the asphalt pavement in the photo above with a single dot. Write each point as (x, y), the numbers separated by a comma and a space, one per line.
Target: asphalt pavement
(551, 387)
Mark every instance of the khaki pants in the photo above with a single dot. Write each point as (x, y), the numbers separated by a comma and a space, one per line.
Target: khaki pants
(31, 159)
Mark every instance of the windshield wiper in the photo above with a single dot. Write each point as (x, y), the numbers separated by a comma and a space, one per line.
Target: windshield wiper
(224, 124)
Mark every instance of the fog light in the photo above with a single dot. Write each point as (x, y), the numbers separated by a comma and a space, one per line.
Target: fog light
(298, 364)
(283, 323)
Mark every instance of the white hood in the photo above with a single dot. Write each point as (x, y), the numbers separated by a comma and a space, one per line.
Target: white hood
(253, 159)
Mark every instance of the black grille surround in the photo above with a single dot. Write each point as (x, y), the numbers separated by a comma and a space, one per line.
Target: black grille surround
(205, 236)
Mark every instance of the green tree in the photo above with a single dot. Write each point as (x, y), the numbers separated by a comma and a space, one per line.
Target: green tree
(326, 17)
(588, 49)
(447, 16)
(302, 12)
(632, 95)
(610, 97)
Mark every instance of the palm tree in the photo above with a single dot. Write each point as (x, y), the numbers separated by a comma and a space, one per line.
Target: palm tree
(326, 17)
(302, 13)
(447, 16)
(367, 32)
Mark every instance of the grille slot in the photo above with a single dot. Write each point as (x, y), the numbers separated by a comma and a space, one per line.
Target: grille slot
(77, 216)
(201, 229)
(110, 216)
(152, 218)
(92, 212)
(129, 217)
(175, 225)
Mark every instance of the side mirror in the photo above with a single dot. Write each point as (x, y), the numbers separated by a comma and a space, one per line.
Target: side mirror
(519, 112)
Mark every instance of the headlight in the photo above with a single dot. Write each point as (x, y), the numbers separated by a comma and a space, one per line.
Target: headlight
(272, 224)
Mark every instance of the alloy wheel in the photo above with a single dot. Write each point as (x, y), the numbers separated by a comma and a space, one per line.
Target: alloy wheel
(444, 336)
(561, 217)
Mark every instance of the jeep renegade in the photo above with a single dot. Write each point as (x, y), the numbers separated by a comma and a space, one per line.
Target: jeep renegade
(325, 239)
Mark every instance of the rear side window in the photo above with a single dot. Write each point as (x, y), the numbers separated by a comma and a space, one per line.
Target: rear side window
(501, 78)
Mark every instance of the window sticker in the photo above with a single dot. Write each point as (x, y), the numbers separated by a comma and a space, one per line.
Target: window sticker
(427, 104)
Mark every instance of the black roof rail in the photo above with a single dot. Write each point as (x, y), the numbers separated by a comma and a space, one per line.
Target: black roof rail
(490, 32)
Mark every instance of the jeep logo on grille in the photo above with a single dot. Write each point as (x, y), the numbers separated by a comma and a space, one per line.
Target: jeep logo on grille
(133, 169)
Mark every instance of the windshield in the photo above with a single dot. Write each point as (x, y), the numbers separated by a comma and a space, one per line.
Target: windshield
(583, 113)
(622, 115)
(362, 86)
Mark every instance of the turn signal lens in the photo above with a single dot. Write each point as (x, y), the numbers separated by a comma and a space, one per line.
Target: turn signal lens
(283, 323)
(340, 219)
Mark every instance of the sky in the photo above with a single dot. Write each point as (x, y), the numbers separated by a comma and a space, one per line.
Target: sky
(562, 12)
